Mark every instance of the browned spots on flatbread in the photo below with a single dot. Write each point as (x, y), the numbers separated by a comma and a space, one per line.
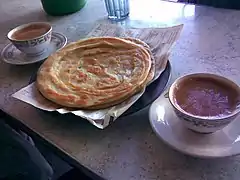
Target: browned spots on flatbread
(96, 73)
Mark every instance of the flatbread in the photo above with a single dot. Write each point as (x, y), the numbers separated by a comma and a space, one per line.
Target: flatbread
(94, 73)
(153, 61)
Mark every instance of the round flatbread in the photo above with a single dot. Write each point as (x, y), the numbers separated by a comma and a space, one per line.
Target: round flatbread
(152, 70)
(94, 73)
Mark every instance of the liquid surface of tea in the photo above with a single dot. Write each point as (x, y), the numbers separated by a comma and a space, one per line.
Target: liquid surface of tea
(30, 32)
(206, 97)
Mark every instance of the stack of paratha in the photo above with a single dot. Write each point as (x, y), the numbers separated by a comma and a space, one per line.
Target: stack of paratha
(96, 73)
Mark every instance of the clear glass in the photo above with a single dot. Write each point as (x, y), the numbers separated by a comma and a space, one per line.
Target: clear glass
(117, 9)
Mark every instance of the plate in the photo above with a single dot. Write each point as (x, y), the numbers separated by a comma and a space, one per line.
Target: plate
(11, 55)
(169, 128)
(152, 92)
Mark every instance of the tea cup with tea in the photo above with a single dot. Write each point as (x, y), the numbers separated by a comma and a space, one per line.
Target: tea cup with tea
(32, 39)
(205, 102)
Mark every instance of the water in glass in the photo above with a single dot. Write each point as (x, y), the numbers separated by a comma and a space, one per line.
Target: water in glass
(117, 9)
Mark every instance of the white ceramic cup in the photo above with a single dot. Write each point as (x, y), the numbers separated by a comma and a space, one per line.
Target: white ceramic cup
(203, 124)
(32, 46)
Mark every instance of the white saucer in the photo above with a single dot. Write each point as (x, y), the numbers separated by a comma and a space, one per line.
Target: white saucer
(11, 55)
(168, 127)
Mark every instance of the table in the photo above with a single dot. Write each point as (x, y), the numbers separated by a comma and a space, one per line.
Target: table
(128, 149)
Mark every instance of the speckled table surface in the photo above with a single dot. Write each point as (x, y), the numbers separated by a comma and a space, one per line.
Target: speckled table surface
(128, 149)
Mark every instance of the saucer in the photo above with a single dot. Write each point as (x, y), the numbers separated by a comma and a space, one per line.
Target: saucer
(11, 55)
(167, 126)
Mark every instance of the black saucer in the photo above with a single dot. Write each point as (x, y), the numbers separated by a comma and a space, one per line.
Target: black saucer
(153, 91)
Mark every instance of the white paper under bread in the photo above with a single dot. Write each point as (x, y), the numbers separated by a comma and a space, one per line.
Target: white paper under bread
(160, 41)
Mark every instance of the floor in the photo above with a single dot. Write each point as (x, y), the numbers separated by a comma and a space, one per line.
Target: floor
(62, 171)
(59, 166)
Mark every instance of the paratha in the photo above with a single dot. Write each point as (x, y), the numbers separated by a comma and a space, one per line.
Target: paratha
(94, 73)
(152, 70)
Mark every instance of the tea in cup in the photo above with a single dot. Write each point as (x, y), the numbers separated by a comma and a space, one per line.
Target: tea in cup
(32, 39)
(205, 102)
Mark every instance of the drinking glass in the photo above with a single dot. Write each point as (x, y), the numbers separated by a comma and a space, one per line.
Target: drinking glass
(117, 9)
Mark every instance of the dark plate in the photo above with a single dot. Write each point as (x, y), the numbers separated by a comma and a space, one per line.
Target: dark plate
(153, 91)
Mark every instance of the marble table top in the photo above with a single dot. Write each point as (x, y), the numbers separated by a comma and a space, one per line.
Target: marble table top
(128, 149)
